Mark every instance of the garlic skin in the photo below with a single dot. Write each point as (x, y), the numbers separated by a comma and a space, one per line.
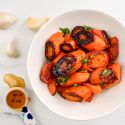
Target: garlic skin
(6, 20)
(36, 23)
(11, 49)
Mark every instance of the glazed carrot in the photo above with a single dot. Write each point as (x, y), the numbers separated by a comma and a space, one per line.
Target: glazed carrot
(68, 64)
(103, 35)
(66, 47)
(78, 77)
(58, 57)
(71, 96)
(67, 37)
(113, 49)
(97, 59)
(52, 48)
(60, 89)
(72, 43)
(116, 69)
(90, 98)
(52, 87)
(97, 44)
(46, 73)
(95, 76)
(81, 91)
(96, 89)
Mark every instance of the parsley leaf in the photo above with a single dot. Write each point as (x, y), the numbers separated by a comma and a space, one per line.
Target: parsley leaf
(64, 79)
(84, 60)
(64, 30)
(88, 27)
(106, 72)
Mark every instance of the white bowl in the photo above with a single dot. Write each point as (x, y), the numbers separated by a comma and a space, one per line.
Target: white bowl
(102, 104)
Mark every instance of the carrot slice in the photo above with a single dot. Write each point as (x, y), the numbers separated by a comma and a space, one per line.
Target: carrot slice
(72, 43)
(71, 96)
(116, 69)
(66, 47)
(113, 49)
(95, 76)
(78, 77)
(52, 48)
(97, 44)
(67, 37)
(97, 59)
(90, 98)
(46, 73)
(60, 89)
(103, 35)
(96, 89)
(52, 87)
(81, 91)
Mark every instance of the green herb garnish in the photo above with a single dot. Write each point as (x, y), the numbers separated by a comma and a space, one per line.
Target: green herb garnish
(76, 85)
(64, 79)
(64, 30)
(83, 71)
(106, 72)
(84, 60)
(88, 27)
(58, 81)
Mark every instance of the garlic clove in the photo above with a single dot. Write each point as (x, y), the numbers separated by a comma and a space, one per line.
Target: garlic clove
(11, 49)
(6, 20)
(36, 23)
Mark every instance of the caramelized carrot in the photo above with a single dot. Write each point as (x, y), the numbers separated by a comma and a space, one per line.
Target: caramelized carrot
(97, 44)
(72, 43)
(60, 89)
(95, 76)
(52, 48)
(116, 69)
(66, 48)
(78, 77)
(102, 34)
(113, 49)
(52, 87)
(96, 89)
(90, 98)
(67, 37)
(46, 73)
(81, 91)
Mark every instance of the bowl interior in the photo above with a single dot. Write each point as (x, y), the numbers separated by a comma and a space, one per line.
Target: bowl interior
(102, 104)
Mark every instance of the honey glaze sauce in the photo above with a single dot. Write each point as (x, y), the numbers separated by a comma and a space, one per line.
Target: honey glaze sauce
(16, 99)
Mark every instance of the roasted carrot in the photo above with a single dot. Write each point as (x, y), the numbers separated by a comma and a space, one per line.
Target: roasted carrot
(113, 49)
(95, 76)
(66, 47)
(78, 77)
(97, 44)
(46, 75)
(81, 91)
(67, 37)
(52, 48)
(68, 64)
(90, 98)
(97, 59)
(116, 69)
(52, 87)
(72, 43)
(60, 89)
(71, 96)
(103, 35)
(96, 89)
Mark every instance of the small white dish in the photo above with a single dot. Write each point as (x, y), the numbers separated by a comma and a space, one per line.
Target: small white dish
(102, 104)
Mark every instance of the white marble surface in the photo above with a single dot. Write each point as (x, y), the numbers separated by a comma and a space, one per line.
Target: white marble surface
(25, 8)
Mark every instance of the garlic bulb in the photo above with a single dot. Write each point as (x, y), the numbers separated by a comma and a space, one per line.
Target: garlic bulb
(36, 23)
(11, 50)
(6, 20)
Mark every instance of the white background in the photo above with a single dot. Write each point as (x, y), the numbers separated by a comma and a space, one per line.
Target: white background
(41, 8)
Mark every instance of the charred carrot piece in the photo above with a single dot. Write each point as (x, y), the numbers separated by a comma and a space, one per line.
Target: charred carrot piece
(72, 43)
(78, 77)
(81, 91)
(116, 69)
(66, 47)
(60, 89)
(52, 47)
(95, 76)
(98, 44)
(90, 98)
(96, 89)
(46, 75)
(52, 87)
(71, 96)
(67, 37)
(102, 34)
(68, 64)
(113, 49)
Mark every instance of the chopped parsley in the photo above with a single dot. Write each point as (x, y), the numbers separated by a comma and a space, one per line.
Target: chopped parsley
(88, 27)
(106, 72)
(84, 60)
(61, 80)
(64, 30)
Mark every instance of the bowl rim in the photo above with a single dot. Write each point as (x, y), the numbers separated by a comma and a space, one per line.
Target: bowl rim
(28, 58)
